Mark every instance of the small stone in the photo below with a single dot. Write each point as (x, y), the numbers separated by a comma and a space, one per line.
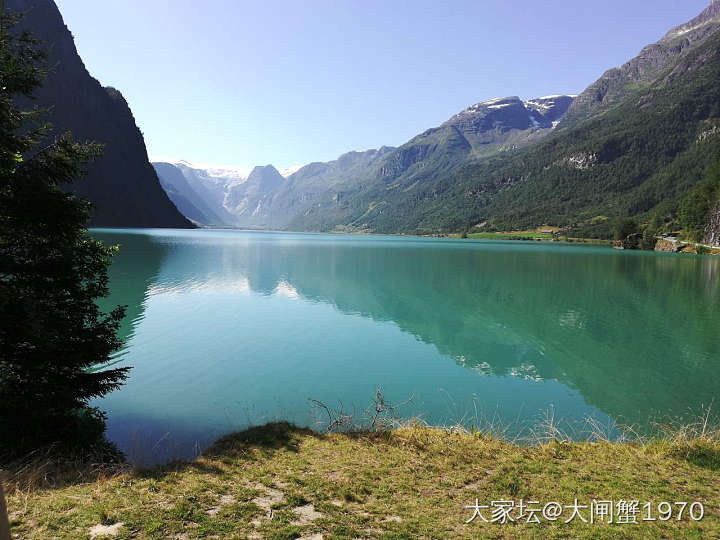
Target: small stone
(100, 530)
(307, 514)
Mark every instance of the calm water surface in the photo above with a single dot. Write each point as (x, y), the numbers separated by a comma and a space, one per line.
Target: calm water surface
(226, 329)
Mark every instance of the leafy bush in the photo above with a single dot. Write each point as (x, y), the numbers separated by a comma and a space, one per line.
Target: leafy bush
(624, 228)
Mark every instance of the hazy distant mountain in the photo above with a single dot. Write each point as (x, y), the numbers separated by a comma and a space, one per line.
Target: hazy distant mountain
(263, 198)
(247, 202)
(208, 188)
(185, 198)
(122, 184)
(318, 180)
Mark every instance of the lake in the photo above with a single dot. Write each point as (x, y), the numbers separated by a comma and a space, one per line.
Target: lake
(227, 329)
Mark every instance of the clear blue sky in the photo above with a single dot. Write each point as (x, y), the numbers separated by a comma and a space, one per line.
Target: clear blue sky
(286, 82)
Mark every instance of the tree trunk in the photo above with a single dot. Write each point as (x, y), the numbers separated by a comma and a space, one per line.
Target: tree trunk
(4, 523)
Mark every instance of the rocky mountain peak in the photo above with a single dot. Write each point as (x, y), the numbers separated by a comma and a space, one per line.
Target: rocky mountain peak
(262, 170)
(490, 105)
(507, 113)
(550, 108)
(702, 23)
(261, 180)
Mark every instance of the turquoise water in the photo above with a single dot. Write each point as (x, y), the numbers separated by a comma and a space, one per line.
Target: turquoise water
(229, 328)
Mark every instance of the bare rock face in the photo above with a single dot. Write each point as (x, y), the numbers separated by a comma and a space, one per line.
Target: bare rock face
(667, 245)
(122, 185)
(712, 231)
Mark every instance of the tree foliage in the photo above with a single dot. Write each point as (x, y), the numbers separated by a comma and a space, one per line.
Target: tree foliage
(624, 228)
(696, 208)
(52, 333)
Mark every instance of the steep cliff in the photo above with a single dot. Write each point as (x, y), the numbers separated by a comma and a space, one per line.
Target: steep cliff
(121, 184)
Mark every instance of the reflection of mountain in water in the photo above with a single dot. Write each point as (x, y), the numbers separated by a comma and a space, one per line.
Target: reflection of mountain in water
(631, 332)
(132, 273)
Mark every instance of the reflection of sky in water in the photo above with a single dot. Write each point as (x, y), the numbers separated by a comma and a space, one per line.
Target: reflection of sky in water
(231, 329)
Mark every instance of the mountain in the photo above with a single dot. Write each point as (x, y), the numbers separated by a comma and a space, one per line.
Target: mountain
(618, 84)
(321, 179)
(637, 154)
(506, 123)
(121, 184)
(209, 187)
(485, 129)
(264, 198)
(314, 197)
(247, 200)
(184, 197)
(634, 144)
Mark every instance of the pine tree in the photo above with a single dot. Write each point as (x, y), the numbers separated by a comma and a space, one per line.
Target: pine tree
(52, 333)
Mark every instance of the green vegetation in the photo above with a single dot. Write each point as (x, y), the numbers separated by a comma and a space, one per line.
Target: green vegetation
(638, 159)
(624, 228)
(282, 482)
(696, 207)
(512, 235)
(51, 330)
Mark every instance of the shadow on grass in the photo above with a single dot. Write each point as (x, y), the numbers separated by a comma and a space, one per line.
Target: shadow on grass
(53, 469)
(253, 444)
(701, 454)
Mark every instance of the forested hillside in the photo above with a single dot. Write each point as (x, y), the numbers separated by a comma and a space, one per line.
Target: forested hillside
(639, 156)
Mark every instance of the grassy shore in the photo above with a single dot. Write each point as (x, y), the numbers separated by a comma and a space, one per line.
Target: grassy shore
(538, 235)
(278, 481)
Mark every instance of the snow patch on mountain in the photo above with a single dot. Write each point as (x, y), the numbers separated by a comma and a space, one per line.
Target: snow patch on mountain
(215, 171)
(290, 170)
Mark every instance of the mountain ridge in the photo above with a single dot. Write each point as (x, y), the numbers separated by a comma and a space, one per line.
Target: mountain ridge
(631, 144)
(121, 184)
(485, 128)
(618, 83)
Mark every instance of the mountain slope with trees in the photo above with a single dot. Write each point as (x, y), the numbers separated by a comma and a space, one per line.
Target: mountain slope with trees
(636, 157)
(308, 197)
